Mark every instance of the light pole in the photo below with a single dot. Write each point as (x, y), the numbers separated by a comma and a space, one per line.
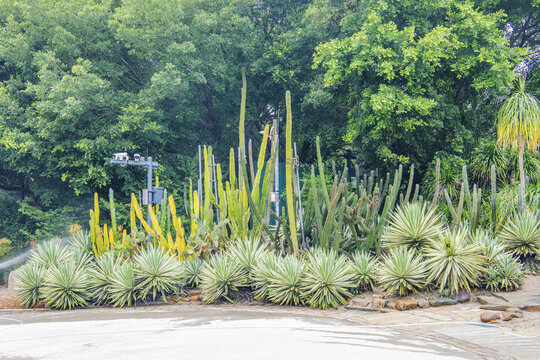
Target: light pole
(151, 195)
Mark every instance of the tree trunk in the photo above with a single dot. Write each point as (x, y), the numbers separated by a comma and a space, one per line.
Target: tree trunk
(521, 198)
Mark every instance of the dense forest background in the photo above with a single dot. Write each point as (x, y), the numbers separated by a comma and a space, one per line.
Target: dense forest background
(397, 81)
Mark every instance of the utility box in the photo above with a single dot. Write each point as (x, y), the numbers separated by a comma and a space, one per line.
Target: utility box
(153, 197)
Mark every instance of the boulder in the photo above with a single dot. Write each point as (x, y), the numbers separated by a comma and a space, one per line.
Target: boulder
(442, 302)
(462, 296)
(359, 302)
(424, 304)
(194, 292)
(514, 312)
(482, 300)
(494, 307)
(407, 304)
(379, 303)
(391, 305)
(488, 316)
(13, 278)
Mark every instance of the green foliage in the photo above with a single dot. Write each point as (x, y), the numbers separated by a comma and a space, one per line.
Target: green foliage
(156, 272)
(247, 253)
(402, 271)
(50, 253)
(412, 225)
(66, 286)
(453, 263)
(450, 174)
(505, 274)
(221, 277)
(521, 234)
(123, 290)
(101, 277)
(192, 272)
(327, 280)
(286, 281)
(263, 272)
(492, 246)
(29, 284)
(81, 241)
(365, 269)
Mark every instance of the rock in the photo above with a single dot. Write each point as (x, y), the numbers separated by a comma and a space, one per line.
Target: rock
(506, 317)
(442, 302)
(495, 307)
(515, 313)
(194, 298)
(194, 293)
(482, 300)
(13, 277)
(375, 296)
(532, 308)
(359, 302)
(391, 305)
(185, 299)
(527, 272)
(407, 304)
(362, 308)
(489, 316)
(379, 303)
(424, 304)
(462, 296)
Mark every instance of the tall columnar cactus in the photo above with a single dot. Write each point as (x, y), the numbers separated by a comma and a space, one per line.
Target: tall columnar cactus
(113, 214)
(289, 174)
(493, 197)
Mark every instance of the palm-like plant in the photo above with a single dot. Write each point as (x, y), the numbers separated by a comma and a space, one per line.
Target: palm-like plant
(192, 272)
(412, 225)
(263, 273)
(486, 154)
(285, 286)
(506, 274)
(29, 284)
(402, 271)
(521, 234)
(50, 253)
(328, 278)
(123, 289)
(66, 286)
(221, 277)
(453, 263)
(492, 247)
(81, 240)
(156, 272)
(247, 253)
(518, 125)
(101, 277)
(364, 267)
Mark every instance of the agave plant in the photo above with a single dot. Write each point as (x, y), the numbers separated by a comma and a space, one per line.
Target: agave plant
(81, 240)
(492, 247)
(123, 289)
(29, 284)
(156, 272)
(402, 271)
(521, 234)
(221, 277)
(247, 253)
(66, 286)
(81, 257)
(506, 274)
(453, 263)
(412, 225)
(328, 278)
(101, 277)
(192, 272)
(263, 273)
(50, 253)
(364, 267)
(286, 281)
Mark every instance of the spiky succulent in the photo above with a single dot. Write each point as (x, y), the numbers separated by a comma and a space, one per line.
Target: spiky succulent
(453, 263)
(66, 286)
(247, 253)
(286, 281)
(328, 278)
(123, 289)
(263, 273)
(521, 234)
(364, 267)
(81, 240)
(50, 253)
(192, 272)
(29, 284)
(402, 271)
(492, 247)
(412, 225)
(221, 277)
(157, 272)
(505, 274)
(101, 277)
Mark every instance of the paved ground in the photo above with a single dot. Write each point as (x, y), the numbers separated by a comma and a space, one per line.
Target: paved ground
(229, 332)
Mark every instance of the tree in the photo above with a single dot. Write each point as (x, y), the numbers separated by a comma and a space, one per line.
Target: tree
(518, 125)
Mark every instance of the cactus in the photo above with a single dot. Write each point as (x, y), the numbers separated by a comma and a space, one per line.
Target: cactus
(289, 174)
(493, 197)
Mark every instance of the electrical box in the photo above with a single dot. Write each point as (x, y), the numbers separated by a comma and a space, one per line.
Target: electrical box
(154, 197)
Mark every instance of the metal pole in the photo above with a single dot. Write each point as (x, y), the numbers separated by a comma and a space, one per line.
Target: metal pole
(215, 185)
(276, 184)
(199, 180)
(150, 189)
(300, 209)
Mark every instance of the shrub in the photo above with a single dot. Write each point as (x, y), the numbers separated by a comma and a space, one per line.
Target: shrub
(506, 274)
(81, 240)
(101, 277)
(81, 257)
(221, 277)
(156, 272)
(402, 271)
(413, 226)
(66, 286)
(453, 263)
(521, 234)
(491, 246)
(247, 253)
(263, 273)
(50, 253)
(328, 278)
(123, 289)
(364, 267)
(29, 284)
(285, 287)
(192, 272)
(5, 247)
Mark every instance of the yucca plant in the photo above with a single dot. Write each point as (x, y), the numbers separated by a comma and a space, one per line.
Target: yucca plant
(328, 278)
(81, 240)
(506, 274)
(101, 277)
(402, 271)
(221, 277)
(81, 257)
(156, 272)
(29, 284)
(286, 281)
(66, 286)
(521, 234)
(453, 263)
(247, 253)
(192, 272)
(123, 289)
(364, 267)
(263, 273)
(50, 253)
(492, 247)
(412, 225)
